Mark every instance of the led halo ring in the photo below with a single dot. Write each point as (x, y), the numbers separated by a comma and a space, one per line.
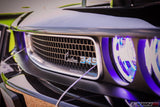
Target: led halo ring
(149, 61)
(124, 57)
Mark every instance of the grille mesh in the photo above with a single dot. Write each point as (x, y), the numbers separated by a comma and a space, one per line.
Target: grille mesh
(57, 50)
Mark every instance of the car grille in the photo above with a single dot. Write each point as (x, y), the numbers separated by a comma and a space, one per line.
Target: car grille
(65, 52)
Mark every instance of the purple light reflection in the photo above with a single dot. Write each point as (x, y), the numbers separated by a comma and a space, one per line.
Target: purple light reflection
(125, 93)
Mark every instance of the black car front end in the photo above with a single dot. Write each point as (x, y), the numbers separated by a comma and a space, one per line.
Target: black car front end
(55, 48)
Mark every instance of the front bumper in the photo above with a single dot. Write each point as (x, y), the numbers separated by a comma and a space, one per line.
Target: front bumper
(20, 93)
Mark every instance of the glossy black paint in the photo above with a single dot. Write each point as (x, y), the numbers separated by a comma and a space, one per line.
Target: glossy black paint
(146, 12)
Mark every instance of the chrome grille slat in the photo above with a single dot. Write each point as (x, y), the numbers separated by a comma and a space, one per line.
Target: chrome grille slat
(53, 49)
(86, 47)
(57, 47)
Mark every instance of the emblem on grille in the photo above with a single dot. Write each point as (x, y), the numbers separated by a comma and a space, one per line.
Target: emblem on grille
(67, 58)
(89, 60)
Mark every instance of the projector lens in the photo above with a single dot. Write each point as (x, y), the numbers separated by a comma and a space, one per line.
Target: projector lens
(124, 57)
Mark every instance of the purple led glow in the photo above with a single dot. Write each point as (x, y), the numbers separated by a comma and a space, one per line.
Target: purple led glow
(147, 55)
(125, 62)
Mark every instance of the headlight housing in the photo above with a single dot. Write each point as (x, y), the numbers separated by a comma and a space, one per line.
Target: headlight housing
(120, 58)
(149, 61)
(124, 57)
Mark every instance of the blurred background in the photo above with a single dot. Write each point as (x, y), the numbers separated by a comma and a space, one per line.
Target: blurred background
(10, 6)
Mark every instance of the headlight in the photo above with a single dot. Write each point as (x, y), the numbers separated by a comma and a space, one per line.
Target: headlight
(149, 61)
(124, 57)
(120, 58)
